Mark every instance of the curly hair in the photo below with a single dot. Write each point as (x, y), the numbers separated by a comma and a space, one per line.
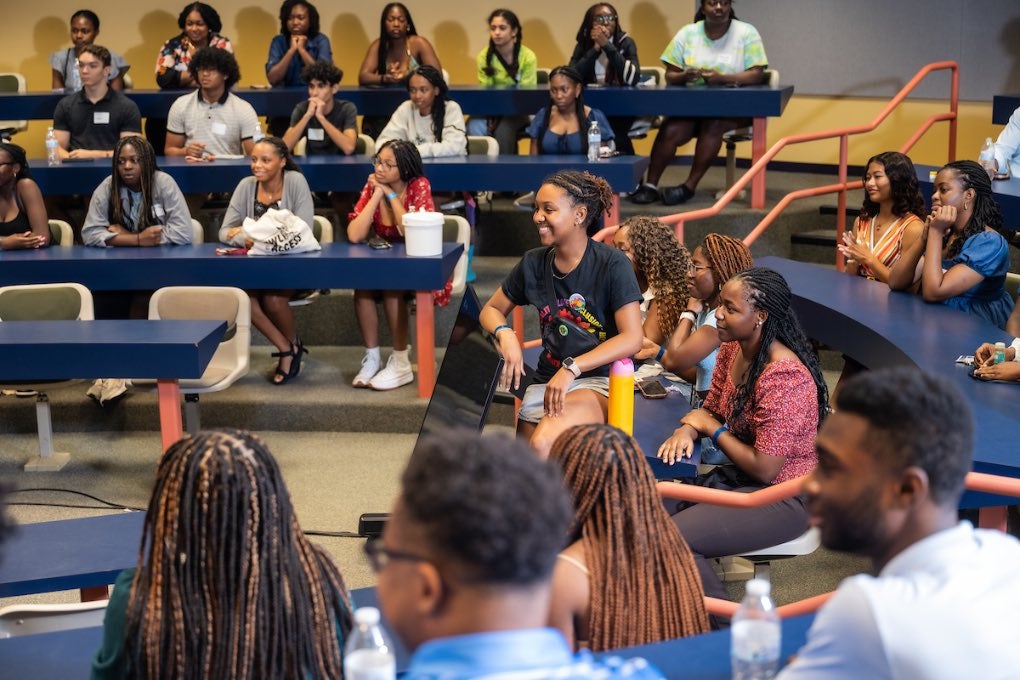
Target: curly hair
(585, 189)
(768, 291)
(906, 194)
(209, 15)
(313, 16)
(644, 583)
(666, 265)
(323, 71)
(986, 210)
(217, 59)
(727, 256)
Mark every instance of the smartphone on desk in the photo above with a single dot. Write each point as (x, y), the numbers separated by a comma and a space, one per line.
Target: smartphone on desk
(651, 388)
(378, 243)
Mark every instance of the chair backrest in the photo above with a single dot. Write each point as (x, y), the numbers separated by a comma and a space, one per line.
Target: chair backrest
(61, 234)
(482, 144)
(542, 76)
(29, 619)
(456, 228)
(773, 80)
(46, 302)
(1012, 285)
(129, 83)
(656, 73)
(13, 82)
(214, 303)
(365, 146)
(300, 148)
(322, 229)
(197, 232)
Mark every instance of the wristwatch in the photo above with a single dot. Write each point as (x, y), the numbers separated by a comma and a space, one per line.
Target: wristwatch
(571, 366)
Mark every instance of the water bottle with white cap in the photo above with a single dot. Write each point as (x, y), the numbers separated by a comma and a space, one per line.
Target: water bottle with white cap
(755, 634)
(368, 654)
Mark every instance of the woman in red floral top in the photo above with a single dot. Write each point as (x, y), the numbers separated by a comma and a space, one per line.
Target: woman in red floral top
(397, 185)
(763, 410)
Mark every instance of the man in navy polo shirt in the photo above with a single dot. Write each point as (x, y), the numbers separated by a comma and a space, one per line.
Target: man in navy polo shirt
(89, 122)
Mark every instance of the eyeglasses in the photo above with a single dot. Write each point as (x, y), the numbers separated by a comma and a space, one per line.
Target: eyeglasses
(699, 267)
(385, 165)
(380, 557)
(605, 18)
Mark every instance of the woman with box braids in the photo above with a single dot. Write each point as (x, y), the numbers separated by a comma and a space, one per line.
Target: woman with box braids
(763, 409)
(227, 585)
(641, 584)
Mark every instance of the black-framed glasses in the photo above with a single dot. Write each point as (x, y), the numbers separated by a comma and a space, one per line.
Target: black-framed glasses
(385, 165)
(379, 556)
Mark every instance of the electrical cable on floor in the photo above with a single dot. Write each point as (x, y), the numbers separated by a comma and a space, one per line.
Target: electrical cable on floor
(108, 505)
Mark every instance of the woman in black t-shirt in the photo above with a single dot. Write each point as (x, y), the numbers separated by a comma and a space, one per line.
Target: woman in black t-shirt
(587, 283)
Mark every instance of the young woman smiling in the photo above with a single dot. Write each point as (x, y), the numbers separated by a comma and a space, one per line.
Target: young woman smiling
(572, 277)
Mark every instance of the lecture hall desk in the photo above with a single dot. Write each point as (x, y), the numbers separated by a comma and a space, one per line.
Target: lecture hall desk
(337, 265)
(758, 103)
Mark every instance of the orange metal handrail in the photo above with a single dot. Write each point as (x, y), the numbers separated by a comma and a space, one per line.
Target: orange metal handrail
(842, 186)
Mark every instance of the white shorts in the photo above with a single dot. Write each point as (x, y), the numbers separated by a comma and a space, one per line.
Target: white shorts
(533, 404)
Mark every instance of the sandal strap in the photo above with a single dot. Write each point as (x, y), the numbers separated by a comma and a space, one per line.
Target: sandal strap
(288, 353)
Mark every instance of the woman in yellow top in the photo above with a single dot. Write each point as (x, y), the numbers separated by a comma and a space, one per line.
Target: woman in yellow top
(890, 219)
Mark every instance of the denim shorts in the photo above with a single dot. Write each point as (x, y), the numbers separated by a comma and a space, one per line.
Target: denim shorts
(533, 405)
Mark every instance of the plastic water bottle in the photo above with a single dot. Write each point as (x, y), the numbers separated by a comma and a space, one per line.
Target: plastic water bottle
(258, 134)
(368, 654)
(52, 148)
(1000, 353)
(755, 634)
(594, 141)
(987, 157)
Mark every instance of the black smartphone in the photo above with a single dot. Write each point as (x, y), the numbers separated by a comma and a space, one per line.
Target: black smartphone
(652, 389)
(379, 243)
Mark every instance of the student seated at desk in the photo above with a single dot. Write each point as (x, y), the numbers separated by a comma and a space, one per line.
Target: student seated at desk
(227, 585)
(465, 562)
(562, 126)
(961, 260)
(429, 119)
(984, 356)
(276, 182)
(763, 409)
(397, 186)
(84, 31)
(941, 597)
(298, 45)
(588, 303)
(23, 222)
(627, 578)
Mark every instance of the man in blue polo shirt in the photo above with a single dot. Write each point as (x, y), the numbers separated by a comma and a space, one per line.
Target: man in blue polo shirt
(891, 466)
(89, 122)
(465, 564)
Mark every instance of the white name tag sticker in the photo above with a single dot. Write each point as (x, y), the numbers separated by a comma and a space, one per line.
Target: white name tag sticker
(158, 209)
(219, 129)
(316, 134)
(724, 58)
(101, 118)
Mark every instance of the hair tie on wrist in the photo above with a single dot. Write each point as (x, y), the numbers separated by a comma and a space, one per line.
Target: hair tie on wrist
(718, 433)
(501, 327)
(662, 351)
(390, 196)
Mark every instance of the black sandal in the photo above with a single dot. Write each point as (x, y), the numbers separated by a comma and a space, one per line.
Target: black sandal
(295, 364)
(284, 376)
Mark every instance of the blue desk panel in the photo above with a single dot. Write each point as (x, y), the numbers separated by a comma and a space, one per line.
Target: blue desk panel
(1003, 106)
(136, 348)
(707, 657)
(745, 102)
(349, 173)
(881, 328)
(1007, 194)
(69, 554)
(337, 265)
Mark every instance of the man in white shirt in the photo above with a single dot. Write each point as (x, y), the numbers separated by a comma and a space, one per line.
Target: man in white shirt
(891, 466)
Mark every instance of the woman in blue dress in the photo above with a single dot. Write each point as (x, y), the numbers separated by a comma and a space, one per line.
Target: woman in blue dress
(961, 259)
(562, 126)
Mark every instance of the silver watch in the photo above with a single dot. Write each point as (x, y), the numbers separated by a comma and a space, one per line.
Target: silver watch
(571, 366)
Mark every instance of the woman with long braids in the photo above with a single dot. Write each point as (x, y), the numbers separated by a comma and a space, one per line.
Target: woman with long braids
(690, 350)
(627, 578)
(961, 259)
(428, 119)
(606, 55)
(763, 410)
(661, 264)
(562, 126)
(505, 61)
(394, 56)
(587, 299)
(276, 182)
(227, 585)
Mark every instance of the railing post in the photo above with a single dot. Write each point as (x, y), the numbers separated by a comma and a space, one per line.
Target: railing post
(954, 98)
(844, 155)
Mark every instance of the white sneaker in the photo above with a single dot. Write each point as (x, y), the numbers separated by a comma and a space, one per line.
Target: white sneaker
(95, 392)
(369, 367)
(113, 389)
(395, 374)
